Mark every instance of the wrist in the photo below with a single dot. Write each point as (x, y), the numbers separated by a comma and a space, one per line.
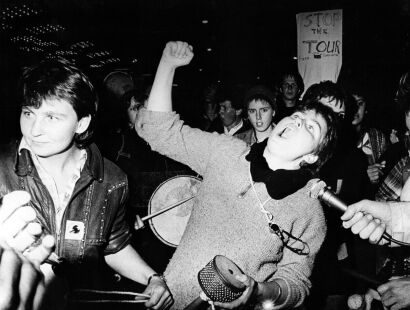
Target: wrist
(278, 294)
(156, 276)
(169, 65)
(269, 290)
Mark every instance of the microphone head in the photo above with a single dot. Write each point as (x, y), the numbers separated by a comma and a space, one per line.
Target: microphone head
(317, 189)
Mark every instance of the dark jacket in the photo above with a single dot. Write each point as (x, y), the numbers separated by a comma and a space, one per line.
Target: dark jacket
(97, 201)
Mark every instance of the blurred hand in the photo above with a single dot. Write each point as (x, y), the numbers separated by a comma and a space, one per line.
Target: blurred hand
(375, 171)
(177, 54)
(395, 293)
(393, 136)
(370, 295)
(21, 281)
(161, 297)
(138, 223)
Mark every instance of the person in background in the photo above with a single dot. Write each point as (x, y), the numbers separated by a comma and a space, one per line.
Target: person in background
(145, 169)
(229, 122)
(260, 105)
(209, 107)
(21, 254)
(290, 87)
(370, 220)
(390, 188)
(239, 208)
(372, 141)
(78, 195)
(346, 173)
(400, 136)
(118, 82)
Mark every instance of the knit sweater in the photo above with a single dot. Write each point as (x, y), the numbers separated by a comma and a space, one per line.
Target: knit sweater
(225, 223)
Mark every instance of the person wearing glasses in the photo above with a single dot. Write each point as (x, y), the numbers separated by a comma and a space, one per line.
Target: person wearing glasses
(253, 205)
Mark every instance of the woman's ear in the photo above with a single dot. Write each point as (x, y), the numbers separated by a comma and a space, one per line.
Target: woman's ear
(83, 124)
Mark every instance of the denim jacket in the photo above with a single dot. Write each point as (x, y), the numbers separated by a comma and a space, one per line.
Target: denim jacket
(93, 224)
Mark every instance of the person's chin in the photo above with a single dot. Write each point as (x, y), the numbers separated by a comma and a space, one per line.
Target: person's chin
(43, 154)
(41, 150)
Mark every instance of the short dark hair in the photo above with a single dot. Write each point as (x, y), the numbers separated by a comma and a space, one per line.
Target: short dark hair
(326, 147)
(296, 76)
(325, 89)
(233, 93)
(262, 93)
(333, 91)
(58, 78)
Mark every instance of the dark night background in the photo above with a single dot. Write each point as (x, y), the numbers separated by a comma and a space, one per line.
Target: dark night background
(250, 40)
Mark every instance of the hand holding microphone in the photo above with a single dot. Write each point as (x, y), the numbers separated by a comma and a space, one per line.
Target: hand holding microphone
(368, 219)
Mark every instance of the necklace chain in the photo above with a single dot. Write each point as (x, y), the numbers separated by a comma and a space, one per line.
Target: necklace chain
(268, 215)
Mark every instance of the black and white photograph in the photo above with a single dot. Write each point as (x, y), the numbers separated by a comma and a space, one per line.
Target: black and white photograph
(202, 155)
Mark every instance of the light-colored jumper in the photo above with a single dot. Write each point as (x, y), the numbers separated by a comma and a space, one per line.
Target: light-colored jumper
(223, 223)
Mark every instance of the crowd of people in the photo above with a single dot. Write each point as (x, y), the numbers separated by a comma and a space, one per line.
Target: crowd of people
(76, 184)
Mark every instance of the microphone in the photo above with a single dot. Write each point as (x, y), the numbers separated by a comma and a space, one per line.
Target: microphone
(321, 192)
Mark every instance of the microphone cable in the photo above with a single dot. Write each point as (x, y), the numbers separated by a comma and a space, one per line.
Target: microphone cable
(320, 191)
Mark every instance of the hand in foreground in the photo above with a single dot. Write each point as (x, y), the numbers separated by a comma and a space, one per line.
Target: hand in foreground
(161, 297)
(395, 293)
(138, 223)
(243, 301)
(363, 302)
(18, 230)
(21, 282)
(177, 54)
(368, 219)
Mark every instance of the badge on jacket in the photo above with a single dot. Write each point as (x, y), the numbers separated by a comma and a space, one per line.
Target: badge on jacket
(74, 230)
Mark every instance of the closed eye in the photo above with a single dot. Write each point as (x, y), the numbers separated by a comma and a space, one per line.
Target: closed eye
(294, 116)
